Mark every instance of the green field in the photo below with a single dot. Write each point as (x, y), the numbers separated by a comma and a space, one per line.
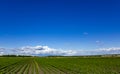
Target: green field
(59, 65)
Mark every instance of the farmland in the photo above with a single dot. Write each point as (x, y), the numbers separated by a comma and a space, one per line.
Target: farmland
(59, 65)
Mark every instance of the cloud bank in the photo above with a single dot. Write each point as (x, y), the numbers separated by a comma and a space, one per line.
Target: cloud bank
(45, 51)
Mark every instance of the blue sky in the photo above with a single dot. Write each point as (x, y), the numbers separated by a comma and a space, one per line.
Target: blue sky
(60, 24)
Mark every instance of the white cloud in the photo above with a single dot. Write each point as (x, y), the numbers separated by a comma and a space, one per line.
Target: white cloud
(45, 50)
(1, 51)
(113, 50)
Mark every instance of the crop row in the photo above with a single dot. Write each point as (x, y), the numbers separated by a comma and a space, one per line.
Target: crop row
(83, 65)
(26, 66)
(59, 65)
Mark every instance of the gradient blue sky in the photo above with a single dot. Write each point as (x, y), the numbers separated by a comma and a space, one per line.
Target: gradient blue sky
(65, 24)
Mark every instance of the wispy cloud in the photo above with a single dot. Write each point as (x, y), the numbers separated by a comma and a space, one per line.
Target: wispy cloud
(99, 43)
(85, 33)
(45, 50)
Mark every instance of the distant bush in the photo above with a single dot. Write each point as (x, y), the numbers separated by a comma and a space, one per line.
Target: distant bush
(15, 56)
